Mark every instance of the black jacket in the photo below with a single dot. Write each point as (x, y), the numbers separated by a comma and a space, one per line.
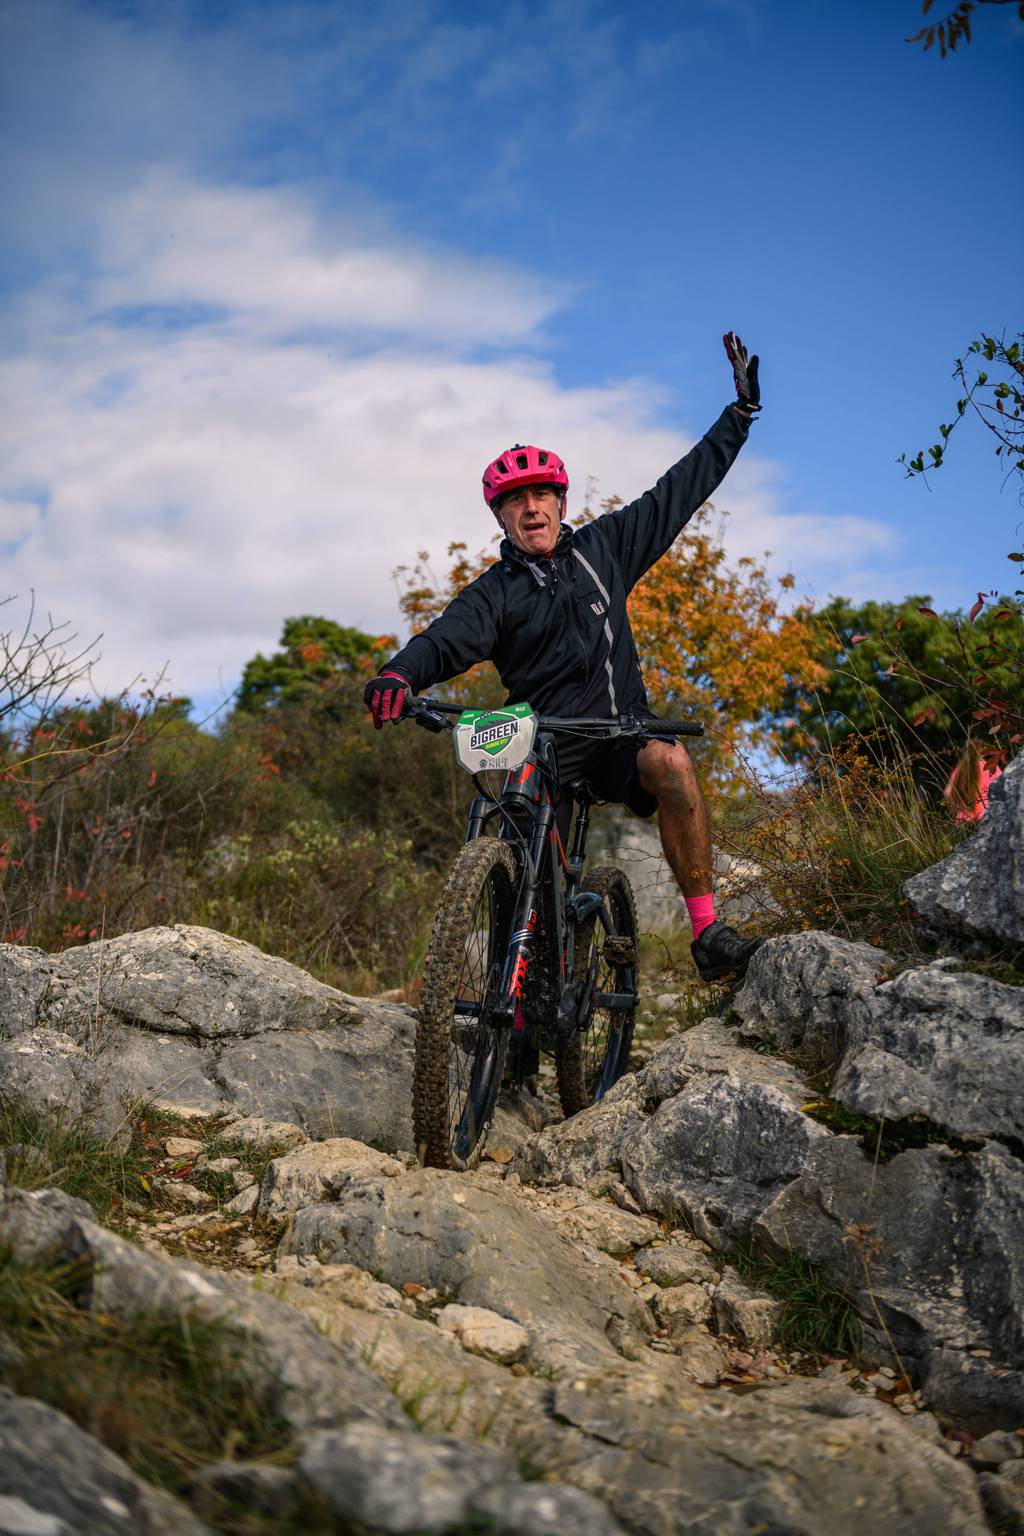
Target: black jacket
(556, 626)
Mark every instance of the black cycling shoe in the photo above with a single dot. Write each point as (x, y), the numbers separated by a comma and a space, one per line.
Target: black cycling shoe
(721, 951)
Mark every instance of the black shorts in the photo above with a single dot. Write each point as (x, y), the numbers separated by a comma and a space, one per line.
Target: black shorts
(609, 767)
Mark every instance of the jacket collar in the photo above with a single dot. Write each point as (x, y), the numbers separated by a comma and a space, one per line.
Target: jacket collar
(537, 565)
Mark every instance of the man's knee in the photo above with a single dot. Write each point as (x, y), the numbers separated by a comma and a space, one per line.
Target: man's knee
(666, 771)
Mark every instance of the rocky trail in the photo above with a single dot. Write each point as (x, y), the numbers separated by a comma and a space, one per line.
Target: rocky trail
(575, 1337)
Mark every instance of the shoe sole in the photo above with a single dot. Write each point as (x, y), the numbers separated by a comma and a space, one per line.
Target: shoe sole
(721, 971)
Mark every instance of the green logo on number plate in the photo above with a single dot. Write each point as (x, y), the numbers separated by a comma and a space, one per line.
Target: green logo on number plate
(494, 729)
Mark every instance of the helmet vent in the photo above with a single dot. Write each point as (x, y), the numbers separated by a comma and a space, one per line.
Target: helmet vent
(521, 460)
(542, 458)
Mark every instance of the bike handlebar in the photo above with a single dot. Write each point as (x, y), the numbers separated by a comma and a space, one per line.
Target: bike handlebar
(426, 712)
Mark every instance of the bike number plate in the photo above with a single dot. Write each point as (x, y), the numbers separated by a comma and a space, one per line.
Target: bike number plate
(495, 738)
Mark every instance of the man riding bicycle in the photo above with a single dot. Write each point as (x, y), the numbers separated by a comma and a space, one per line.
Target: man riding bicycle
(551, 615)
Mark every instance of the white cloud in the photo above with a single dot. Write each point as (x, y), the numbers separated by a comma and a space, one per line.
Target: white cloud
(261, 255)
(328, 412)
(203, 484)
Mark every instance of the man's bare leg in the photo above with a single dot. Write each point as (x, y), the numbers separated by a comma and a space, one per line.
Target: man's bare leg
(666, 772)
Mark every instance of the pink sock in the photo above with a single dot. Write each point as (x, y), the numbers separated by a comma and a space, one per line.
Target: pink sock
(702, 913)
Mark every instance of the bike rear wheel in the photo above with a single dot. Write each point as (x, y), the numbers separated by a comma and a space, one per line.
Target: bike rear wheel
(598, 1056)
(460, 1053)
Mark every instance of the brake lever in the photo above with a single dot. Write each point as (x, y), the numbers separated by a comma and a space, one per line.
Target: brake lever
(430, 720)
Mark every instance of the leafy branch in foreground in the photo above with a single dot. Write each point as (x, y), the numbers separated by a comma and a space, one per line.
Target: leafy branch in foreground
(996, 400)
(954, 26)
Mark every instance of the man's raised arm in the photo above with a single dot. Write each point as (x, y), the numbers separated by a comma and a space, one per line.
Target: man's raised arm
(639, 534)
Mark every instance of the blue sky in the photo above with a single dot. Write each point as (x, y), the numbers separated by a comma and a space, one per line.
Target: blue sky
(279, 279)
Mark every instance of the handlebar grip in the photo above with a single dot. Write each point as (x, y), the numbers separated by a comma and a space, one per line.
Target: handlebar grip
(677, 728)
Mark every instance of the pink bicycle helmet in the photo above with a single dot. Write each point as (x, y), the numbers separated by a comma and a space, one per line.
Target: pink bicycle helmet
(520, 465)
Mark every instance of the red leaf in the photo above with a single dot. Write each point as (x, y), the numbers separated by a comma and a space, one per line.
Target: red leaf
(856, 639)
(929, 613)
(976, 607)
(919, 719)
(900, 622)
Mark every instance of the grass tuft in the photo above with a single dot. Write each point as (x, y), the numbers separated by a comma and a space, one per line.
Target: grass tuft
(163, 1392)
(817, 1318)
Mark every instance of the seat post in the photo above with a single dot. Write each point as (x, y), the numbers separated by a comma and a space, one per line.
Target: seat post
(578, 852)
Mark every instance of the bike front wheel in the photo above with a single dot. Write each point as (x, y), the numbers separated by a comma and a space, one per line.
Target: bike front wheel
(460, 1051)
(598, 1056)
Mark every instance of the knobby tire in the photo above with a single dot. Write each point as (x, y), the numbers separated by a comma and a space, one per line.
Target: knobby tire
(455, 1089)
(588, 1066)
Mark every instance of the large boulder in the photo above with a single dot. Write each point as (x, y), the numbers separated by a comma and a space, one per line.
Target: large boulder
(202, 1024)
(928, 1246)
(713, 1154)
(977, 891)
(930, 1042)
(949, 1046)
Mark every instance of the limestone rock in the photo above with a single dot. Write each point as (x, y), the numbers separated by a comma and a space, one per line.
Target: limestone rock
(946, 1045)
(675, 1263)
(464, 1238)
(202, 1025)
(811, 995)
(484, 1332)
(401, 1484)
(978, 890)
(55, 1480)
(24, 981)
(306, 1380)
(1002, 1493)
(192, 981)
(677, 1306)
(598, 1223)
(318, 1170)
(837, 1462)
(714, 1153)
(343, 1282)
(588, 1144)
(256, 1132)
(353, 1080)
(905, 1237)
(752, 1317)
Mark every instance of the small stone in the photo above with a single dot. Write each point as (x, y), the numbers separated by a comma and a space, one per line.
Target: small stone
(674, 1263)
(999, 1446)
(678, 1306)
(750, 1316)
(484, 1332)
(181, 1195)
(666, 1002)
(245, 1201)
(182, 1146)
(218, 1164)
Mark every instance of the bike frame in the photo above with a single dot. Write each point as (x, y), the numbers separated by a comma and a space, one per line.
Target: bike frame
(530, 824)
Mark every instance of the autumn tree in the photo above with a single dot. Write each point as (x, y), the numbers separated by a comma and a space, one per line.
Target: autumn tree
(920, 680)
(314, 652)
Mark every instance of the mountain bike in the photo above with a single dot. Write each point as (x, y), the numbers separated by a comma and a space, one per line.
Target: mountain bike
(529, 951)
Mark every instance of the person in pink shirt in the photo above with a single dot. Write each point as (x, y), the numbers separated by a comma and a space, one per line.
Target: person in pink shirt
(966, 794)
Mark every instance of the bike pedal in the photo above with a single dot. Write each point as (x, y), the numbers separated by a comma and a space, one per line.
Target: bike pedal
(619, 951)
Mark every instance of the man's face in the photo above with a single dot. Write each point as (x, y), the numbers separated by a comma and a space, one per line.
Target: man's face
(531, 517)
